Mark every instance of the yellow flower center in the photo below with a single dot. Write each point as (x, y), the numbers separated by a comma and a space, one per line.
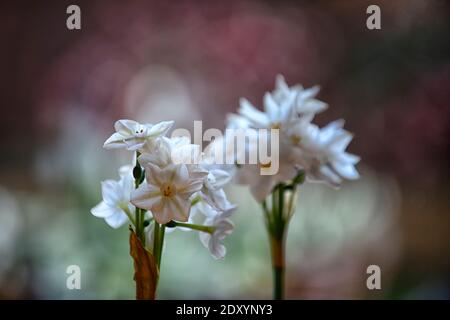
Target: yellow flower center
(168, 190)
(295, 139)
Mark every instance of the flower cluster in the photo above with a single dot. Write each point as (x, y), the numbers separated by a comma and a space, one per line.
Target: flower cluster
(319, 152)
(172, 177)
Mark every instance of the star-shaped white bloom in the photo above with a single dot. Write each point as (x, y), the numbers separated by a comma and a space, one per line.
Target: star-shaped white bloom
(167, 192)
(305, 102)
(282, 108)
(302, 145)
(176, 150)
(116, 207)
(132, 135)
(322, 153)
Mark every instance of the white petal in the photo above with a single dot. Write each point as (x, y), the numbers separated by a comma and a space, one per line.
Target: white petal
(204, 238)
(116, 140)
(117, 220)
(329, 176)
(160, 128)
(221, 177)
(193, 186)
(153, 174)
(146, 196)
(347, 171)
(163, 213)
(111, 192)
(280, 83)
(235, 121)
(342, 141)
(127, 186)
(308, 93)
(313, 106)
(271, 107)
(263, 189)
(126, 127)
(258, 118)
(179, 208)
(181, 175)
(134, 144)
(344, 157)
(102, 210)
(218, 250)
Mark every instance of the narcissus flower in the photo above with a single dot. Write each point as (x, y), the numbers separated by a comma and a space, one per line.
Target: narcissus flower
(132, 135)
(302, 145)
(116, 208)
(304, 100)
(221, 225)
(167, 192)
(321, 152)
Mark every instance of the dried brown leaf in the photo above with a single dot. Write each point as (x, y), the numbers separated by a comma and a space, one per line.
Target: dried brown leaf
(145, 269)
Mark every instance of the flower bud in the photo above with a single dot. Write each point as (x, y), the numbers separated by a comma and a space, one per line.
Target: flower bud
(171, 224)
(137, 173)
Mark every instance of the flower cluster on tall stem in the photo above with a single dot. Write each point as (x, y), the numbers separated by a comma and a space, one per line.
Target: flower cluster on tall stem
(306, 152)
(169, 178)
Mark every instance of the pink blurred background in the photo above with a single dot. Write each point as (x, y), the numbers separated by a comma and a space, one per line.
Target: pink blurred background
(62, 90)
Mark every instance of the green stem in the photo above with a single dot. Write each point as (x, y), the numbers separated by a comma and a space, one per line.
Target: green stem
(276, 228)
(139, 213)
(156, 240)
(162, 231)
(208, 229)
(278, 266)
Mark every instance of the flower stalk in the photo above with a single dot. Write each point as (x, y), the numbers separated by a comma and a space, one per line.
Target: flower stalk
(277, 220)
(140, 224)
(158, 190)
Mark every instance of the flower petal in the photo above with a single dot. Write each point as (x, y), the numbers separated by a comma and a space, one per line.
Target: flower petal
(102, 210)
(261, 191)
(346, 171)
(271, 107)
(111, 192)
(160, 128)
(126, 127)
(116, 140)
(146, 196)
(258, 118)
(118, 219)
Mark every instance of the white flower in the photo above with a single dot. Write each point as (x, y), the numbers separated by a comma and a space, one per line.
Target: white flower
(304, 101)
(169, 151)
(302, 145)
(180, 151)
(116, 205)
(282, 108)
(135, 136)
(214, 182)
(167, 192)
(222, 227)
(322, 153)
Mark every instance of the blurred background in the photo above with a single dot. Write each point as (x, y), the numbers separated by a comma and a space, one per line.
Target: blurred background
(62, 90)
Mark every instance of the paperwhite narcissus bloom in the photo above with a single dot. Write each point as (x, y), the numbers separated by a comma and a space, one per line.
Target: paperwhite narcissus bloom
(282, 108)
(322, 153)
(304, 99)
(212, 191)
(176, 150)
(180, 150)
(223, 227)
(135, 136)
(302, 145)
(116, 207)
(167, 192)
